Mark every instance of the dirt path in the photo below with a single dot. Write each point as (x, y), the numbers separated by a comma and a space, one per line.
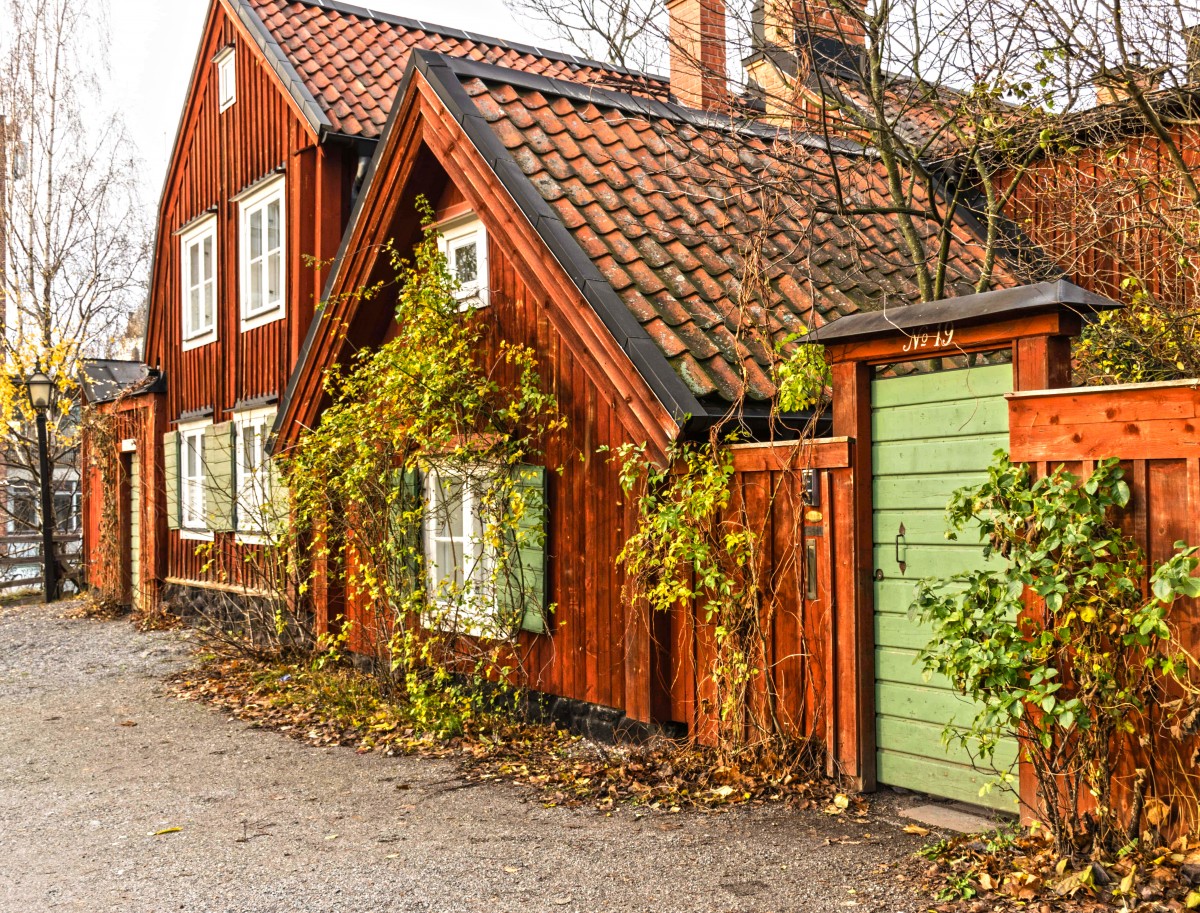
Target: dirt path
(268, 824)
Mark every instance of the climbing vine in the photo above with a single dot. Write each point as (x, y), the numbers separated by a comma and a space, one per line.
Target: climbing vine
(104, 574)
(694, 550)
(1090, 672)
(1145, 343)
(420, 492)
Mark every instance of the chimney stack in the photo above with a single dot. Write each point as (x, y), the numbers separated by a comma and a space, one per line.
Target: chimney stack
(837, 22)
(791, 39)
(698, 71)
(1112, 83)
(1191, 40)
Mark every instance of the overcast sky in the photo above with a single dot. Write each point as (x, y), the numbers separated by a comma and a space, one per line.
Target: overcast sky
(154, 47)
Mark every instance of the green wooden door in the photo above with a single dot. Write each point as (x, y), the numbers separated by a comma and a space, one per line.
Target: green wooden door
(930, 433)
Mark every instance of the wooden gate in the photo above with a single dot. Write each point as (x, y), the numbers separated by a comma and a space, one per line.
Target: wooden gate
(887, 720)
(931, 433)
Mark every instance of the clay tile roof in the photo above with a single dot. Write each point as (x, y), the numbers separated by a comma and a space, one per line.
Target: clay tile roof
(349, 60)
(662, 202)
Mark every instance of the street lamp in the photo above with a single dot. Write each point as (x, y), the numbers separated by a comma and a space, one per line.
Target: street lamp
(41, 392)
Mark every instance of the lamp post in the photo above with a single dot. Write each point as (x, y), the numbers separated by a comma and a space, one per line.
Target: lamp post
(41, 391)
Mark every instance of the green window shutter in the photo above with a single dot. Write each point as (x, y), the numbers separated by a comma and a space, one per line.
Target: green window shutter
(171, 467)
(278, 505)
(408, 527)
(523, 590)
(220, 494)
(277, 510)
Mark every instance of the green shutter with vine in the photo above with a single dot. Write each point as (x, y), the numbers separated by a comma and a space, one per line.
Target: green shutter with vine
(522, 596)
(407, 519)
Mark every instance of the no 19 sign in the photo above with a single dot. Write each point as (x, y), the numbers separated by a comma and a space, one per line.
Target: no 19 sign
(937, 338)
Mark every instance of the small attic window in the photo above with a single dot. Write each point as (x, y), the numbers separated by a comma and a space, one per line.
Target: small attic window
(226, 63)
(464, 242)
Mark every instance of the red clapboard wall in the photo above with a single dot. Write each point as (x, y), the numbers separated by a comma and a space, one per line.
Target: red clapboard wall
(220, 154)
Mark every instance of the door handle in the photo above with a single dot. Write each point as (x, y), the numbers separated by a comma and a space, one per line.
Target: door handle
(901, 549)
(810, 570)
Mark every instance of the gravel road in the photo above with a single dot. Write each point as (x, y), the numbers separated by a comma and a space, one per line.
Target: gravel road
(96, 760)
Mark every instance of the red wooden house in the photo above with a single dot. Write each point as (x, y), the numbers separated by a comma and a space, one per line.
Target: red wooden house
(612, 234)
(612, 230)
(285, 106)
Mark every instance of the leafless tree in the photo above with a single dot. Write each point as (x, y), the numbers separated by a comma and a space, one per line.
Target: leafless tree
(625, 32)
(1068, 131)
(74, 229)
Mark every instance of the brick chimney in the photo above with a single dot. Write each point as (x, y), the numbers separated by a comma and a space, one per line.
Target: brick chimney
(698, 70)
(791, 38)
(1112, 83)
(1191, 39)
(837, 21)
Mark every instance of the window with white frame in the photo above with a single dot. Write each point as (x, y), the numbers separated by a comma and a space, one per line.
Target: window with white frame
(226, 63)
(67, 506)
(262, 255)
(464, 242)
(458, 559)
(253, 470)
(198, 247)
(193, 516)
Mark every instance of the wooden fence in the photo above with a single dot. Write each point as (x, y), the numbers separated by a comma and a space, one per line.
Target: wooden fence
(783, 494)
(18, 553)
(1153, 430)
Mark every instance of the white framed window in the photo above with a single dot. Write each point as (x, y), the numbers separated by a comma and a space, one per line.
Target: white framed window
(198, 269)
(464, 242)
(192, 478)
(263, 255)
(253, 472)
(458, 559)
(226, 64)
(67, 506)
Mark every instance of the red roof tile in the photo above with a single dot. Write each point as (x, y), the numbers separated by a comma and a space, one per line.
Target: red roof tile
(350, 59)
(665, 204)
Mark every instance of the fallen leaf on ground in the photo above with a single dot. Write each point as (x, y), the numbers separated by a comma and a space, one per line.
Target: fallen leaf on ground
(916, 829)
(167, 830)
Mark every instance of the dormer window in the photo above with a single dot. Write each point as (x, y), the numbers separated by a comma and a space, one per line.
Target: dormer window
(464, 242)
(226, 63)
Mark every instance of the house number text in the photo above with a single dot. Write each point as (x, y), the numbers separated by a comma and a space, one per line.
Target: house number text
(926, 339)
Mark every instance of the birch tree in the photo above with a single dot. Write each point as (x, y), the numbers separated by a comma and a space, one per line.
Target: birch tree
(74, 239)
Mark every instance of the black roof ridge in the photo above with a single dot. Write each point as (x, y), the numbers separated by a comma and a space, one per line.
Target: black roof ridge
(450, 32)
(1017, 300)
(635, 104)
(283, 66)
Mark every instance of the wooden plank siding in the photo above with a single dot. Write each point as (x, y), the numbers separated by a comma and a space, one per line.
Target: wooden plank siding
(218, 154)
(581, 657)
(1150, 428)
(140, 419)
(1106, 213)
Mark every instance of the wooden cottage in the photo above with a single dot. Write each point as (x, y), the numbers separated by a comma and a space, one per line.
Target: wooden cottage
(614, 233)
(281, 118)
(616, 223)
